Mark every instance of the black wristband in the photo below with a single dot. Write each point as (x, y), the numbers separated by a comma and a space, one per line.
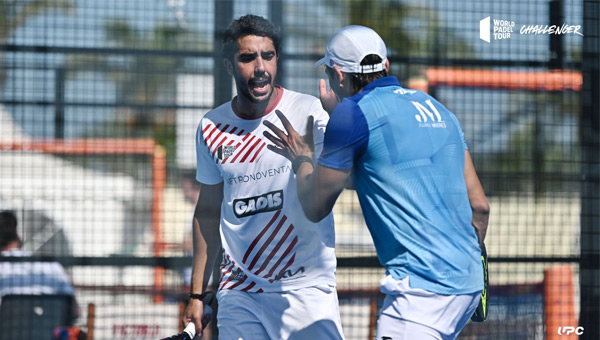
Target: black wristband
(199, 296)
(299, 160)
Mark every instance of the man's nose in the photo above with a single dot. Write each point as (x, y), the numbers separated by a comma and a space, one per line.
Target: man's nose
(259, 66)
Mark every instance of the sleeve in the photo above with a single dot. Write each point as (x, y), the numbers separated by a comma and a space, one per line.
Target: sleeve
(346, 137)
(460, 130)
(207, 171)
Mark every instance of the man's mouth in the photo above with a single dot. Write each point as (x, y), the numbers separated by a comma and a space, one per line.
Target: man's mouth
(260, 87)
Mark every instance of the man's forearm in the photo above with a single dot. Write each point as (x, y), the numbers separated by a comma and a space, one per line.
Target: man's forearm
(480, 222)
(206, 247)
(306, 194)
(207, 239)
(319, 188)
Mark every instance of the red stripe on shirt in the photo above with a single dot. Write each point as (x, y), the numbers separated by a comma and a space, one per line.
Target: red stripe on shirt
(258, 152)
(287, 251)
(239, 282)
(250, 150)
(204, 131)
(276, 249)
(267, 243)
(290, 262)
(250, 286)
(211, 132)
(260, 235)
(218, 145)
(218, 135)
(243, 148)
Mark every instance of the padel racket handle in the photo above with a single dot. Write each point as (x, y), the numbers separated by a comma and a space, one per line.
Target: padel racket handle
(188, 333)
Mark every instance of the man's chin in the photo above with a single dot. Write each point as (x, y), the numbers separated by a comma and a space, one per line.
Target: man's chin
(260, 97)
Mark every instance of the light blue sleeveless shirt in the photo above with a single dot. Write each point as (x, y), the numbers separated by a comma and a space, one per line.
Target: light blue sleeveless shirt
(407, 155)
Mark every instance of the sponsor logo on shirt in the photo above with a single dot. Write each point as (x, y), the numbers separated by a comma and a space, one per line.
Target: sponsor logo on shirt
(230, 144)
(260, 175)
(270, 201)
(288, 274)
(237, 275)
(225, 151)
(426, 118)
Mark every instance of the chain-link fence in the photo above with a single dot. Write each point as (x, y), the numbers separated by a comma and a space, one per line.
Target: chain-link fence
(100, 102)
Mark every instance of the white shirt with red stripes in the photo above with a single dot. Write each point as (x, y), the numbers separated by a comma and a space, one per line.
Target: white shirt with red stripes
(268, 243)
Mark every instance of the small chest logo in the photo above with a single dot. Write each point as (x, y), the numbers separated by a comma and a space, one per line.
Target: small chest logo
(258, 204)
(225, 151)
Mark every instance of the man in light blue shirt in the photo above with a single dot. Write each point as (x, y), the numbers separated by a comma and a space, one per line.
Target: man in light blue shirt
(422, 200)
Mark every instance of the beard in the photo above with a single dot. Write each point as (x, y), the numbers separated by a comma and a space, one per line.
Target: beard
(253, 89)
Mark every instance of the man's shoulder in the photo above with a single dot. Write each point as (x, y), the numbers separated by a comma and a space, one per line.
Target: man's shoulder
(218, 111)
(291, 96)
(349, 105)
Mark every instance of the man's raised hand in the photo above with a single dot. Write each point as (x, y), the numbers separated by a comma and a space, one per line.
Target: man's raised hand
(290, 145)
(328, 98)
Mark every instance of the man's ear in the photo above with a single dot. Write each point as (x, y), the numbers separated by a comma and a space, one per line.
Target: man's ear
(387, 65)
(339, 76)
(344, 81)
(228, 66)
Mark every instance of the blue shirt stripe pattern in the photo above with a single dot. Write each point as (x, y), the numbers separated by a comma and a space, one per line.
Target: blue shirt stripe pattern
(407, 155)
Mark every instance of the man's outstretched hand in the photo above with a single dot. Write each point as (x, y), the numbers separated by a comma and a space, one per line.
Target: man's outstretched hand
(290, 145)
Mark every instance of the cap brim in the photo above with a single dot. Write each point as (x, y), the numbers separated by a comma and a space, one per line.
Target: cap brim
(322, 61)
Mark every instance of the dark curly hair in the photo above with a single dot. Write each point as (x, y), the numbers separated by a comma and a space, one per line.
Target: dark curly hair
(249, 25)
(8, 228)
(360, 80)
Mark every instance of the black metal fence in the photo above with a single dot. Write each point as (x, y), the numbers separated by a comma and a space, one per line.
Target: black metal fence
(100, 101)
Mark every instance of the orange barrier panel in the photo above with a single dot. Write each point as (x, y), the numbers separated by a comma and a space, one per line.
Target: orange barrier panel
(559, 304)
(558, 80)
(159, 170)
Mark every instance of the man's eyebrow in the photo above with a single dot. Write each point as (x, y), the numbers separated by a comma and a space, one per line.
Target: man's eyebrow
(248, 54)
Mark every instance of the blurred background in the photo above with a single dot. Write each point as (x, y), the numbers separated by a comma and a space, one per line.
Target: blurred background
(99, 103)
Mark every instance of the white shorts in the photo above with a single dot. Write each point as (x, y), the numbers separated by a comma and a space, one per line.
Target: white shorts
(307, 313)
(410, 313)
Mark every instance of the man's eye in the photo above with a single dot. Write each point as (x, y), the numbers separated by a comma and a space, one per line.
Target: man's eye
(245, 58)
(268, 56)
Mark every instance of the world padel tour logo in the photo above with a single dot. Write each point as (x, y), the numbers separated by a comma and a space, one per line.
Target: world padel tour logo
(500, 29)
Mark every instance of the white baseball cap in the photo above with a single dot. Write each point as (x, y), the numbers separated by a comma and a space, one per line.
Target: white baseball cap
(348, 46)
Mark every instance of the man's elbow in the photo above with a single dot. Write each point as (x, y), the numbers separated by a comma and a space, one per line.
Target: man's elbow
(481, 207)
(481, 214)
(314, 215)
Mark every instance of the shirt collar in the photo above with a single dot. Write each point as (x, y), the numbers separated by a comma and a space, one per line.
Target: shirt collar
(385, 81)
